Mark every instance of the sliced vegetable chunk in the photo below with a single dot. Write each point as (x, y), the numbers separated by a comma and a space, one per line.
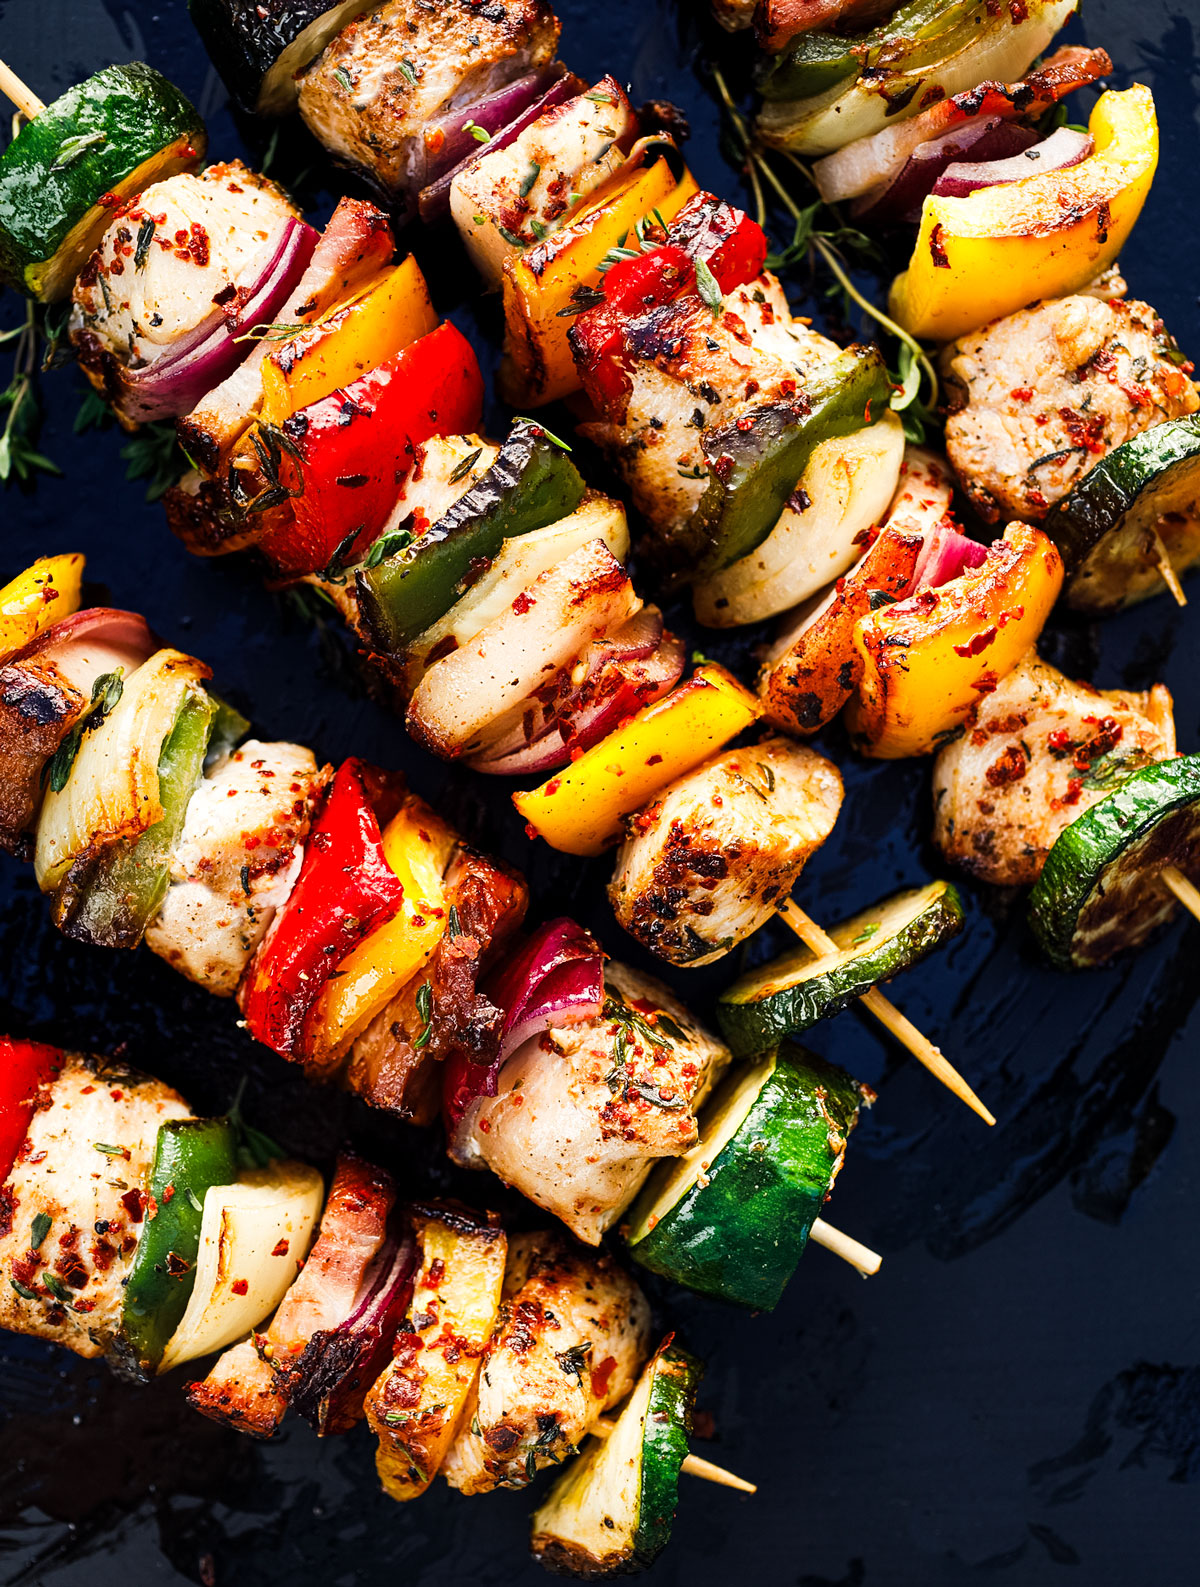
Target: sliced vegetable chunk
(799, 988)
(44, 594)
(1106, 525)
(732, 1216)
(67, 170)
(191, 1157)
(1100, 890)
(610, 1512)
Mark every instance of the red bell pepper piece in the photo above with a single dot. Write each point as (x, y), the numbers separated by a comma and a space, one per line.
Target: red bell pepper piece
(345, 889)
(24, 1066)
(348, 454)
(734, 248)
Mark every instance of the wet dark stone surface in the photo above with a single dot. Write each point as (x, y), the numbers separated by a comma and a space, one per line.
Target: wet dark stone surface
(1014, 1397)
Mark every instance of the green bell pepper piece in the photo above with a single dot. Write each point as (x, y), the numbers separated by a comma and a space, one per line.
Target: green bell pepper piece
(191, 1156)
(531, 484)
(754, 471)
(130, 880)
(915, 35)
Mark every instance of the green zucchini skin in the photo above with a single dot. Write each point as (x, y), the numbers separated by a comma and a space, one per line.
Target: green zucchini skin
(51, 181)
(1099, 890)
(258, 46)
(739, 1236)
(676, 1378)
(753, 1024)
(582, 1529)
(1100, 524)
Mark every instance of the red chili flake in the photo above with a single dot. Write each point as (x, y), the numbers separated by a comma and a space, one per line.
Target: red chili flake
(484, 1127)
(601, 1375)
(280, 1248)
(1018, 11)
(523, 603)
(1010, 767)
(117, 1096)
(653, 760)
(86, 1091)
(1021, 393)
(437, 1272)
(168, 1194)
(239, 1286)
(979, 643)
(937, 248)
(134, 1202)
(553, 786)
(1035, 498)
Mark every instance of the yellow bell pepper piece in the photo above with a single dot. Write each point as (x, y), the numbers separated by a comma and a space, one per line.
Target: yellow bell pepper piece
(44, 594)
(538, 284)
(989, 254)
(929, 659)
(581, 809)
(417, 845)
(355, 338)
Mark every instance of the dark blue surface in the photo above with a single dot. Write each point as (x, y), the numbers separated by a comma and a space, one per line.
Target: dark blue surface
(1014, 1400)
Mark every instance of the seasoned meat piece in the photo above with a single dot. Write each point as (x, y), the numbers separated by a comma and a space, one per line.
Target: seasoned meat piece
(708, 862)
(582, 1112)
(1040, 396)
(251, 1384)
(512, 197)
(236, 860)
(85, 1164)
(1041, 749)
(690, 371)
(387, 1066)
(734, 14)
(777, 22)
(368, 98)
(571, 1335)
(168, 255)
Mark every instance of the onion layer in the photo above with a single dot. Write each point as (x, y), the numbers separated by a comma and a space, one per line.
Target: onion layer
(1061, 149)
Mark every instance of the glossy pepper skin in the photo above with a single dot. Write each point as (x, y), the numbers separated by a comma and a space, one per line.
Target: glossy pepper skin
(191, 1156)
(531, 484)
(345, 456)
(928, 660)
(24, 1066)
(345, 889)
(730, 244)
(987, 255)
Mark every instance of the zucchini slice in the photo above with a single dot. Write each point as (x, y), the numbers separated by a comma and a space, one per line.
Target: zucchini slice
(105, 139)
(260, 48)
(800, 987)
(1099, 890)
(1103, 526)
(610, 1512)
(731, 1217)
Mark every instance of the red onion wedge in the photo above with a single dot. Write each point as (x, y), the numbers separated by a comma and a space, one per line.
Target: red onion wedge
(988, 138)
(340, 1364)
(556, 979)
(96, 640)
(945, 555)
(504, 115)
(621, 676)
(1061, 149)
(869, 165)
(173, 384)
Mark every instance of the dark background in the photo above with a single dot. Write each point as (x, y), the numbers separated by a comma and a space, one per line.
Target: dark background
(1014, 1400)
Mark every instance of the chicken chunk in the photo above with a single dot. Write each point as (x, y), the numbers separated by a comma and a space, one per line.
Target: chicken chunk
(1041, 749)
(369, 97)
(84, 1165)
(1039, 397)
(691, 371)
(163, 263)
(251, 1384)
(236, 860)
(581, 1113)
(510, 198)
(709, 861)
(571, 1335)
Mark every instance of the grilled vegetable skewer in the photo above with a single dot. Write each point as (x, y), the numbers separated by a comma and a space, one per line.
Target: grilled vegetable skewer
(201, 1232)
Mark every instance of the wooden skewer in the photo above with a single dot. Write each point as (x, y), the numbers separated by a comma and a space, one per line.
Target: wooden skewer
(867, 1262)
(26, 101)
(1187, 895)
(922, 1049)
(692, 1464)
(1166, 567)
